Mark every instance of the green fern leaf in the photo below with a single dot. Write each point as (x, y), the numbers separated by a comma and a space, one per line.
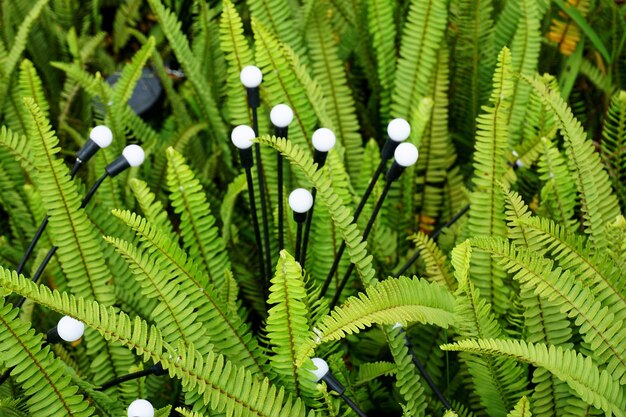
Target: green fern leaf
(372, 370)
(599, 203)
(596, 387)
(287, 325)
(332, 78)
(276, 16)
(391, 301)
(437, 268)
(597, 324)
(199, 232)
(522, 409)
(280, 84)
(48, 387)
(421, 37)
(487, 205)
(238, 55)
(382, 30)
(227, 331)
(151, 207)
(524, 60)
(614, 142)
(498, 383)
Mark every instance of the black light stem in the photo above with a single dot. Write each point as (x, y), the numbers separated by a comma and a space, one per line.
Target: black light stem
(93, 189)
(435, 236)
(357, 213)
(299, 240)
(418, 364)
(352, 405)
(153, 370)
(267, 264)
(281, 211)
(255, 224)
(307, 229)
(366, 233)
(42, 228)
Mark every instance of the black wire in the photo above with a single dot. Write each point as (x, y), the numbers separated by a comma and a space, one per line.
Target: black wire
(352, 405)
(153, 370)
(425, 373)
(279, 168)
(357, 213)
(298, 240)
(307, 229)
(366, 233)
(262, 194)
(255, 224)
(434, 237)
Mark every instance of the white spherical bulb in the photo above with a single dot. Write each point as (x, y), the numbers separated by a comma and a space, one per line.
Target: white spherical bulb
(140, 408)
(281, 115)
(101, 135)
(70, 329)
(323, 139)
(321, 368)
(398, 130)
(406, 154)
(251, 76)
(300, 200)
(134, 154)
(242, 136)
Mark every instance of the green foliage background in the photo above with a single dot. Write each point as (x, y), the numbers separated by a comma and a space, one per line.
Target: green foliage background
(517, 108)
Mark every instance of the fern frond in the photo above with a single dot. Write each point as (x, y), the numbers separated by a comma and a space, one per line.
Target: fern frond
(19, 43)
(401, 300)
(31, 86)
(522, 409)
(421, 38)
(238, 55)
(280, 84)
(558, 195)
(372, 370)
(498, 383)
(475, 58)
(408, 380)
(599, 203)
(227, 332)
(598, 325)
(524, 60)
(614, 143)
(277, 17)
(437, 268)
(564, 32)
(594, 386)
(198, 229)
(37, 371)
(212, 379)
(287, 325)
(332, 78)
(382, 30)
(151, 207)
(486, 202)
(174, 314)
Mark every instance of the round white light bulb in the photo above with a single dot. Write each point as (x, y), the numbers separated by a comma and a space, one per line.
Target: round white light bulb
(70, 329)
(398, 130)
(321, 368)
(323, 139)
(300, 200)
(281, 115)
(134, 154)
(406, 154)
(140, 408)
(251, 76)
(101, 135)
(242, 136)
